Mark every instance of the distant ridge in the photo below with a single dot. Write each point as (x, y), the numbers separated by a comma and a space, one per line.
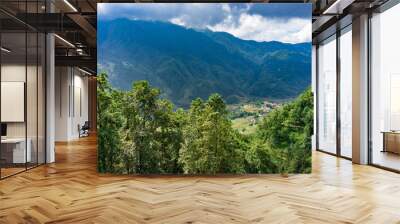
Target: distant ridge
(187, 63)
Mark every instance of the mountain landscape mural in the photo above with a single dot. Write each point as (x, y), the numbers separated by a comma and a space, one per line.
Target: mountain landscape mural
(187, 63)
(204, 88)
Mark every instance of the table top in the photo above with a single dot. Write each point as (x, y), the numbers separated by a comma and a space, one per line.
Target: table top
(391, 132)
(13, 140)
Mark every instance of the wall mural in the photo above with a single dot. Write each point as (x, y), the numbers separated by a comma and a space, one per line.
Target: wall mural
(204, 88)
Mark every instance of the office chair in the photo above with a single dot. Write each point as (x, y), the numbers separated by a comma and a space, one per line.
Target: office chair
(84, 130)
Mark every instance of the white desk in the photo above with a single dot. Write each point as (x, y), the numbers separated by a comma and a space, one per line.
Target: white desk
(19, 154)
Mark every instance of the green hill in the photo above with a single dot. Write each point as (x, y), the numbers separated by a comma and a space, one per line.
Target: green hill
(187, 63)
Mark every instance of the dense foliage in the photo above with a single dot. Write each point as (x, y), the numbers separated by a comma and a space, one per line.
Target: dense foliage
(140, 132)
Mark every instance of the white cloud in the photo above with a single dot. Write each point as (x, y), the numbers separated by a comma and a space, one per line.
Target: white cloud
(102, 8)
(192, 15)
(178, 21)
(226, 8)
(259, 28)
(236, 19)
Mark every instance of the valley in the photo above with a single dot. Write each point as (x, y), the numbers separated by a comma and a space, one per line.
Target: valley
(246, 116)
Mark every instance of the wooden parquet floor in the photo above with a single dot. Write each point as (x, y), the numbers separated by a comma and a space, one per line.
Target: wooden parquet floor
(71, 191)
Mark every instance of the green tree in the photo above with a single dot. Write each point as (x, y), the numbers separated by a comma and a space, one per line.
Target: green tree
(169, 136)
(153, 131)
(288, 130)
(140, 106)
(109, 123)
(260, 157)
(210, 145)
(139, 132)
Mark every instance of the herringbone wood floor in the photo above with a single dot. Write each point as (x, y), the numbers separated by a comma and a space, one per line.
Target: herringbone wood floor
(71, 191)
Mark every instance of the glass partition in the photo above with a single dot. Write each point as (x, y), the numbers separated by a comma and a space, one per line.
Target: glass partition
(327, 95)
(14, 153)
(22, 77)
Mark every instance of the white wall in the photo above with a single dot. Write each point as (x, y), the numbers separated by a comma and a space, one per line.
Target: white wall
(71, 94)
(62, 82)
(80, 108)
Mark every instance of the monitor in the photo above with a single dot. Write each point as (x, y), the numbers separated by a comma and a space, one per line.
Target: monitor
(3, 129)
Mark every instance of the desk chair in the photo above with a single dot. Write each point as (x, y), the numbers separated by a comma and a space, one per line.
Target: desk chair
(84, 130)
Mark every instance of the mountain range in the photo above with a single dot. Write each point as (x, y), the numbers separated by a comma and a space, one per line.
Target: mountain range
(188, 63)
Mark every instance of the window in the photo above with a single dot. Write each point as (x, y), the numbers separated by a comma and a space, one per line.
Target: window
(385, 89)
(346, 92)
(327, 95)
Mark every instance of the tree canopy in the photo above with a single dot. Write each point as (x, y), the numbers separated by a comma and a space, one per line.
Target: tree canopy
(140, 132)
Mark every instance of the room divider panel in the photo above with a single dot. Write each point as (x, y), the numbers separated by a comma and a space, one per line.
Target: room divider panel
(22, 88)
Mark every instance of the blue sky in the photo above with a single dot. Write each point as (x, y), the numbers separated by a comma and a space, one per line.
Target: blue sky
(290, 23)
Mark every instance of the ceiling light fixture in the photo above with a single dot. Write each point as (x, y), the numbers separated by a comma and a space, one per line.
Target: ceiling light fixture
(64, 40)
(5, 50)
(70, 5)
(84, 71)
(337, 7)
(79, 51)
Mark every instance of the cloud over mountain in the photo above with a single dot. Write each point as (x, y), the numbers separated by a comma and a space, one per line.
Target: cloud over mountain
(290, 23)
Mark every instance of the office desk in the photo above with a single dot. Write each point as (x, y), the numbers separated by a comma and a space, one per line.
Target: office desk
(13, 150)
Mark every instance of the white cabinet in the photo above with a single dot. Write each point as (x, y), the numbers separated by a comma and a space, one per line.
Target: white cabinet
(19, 154)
